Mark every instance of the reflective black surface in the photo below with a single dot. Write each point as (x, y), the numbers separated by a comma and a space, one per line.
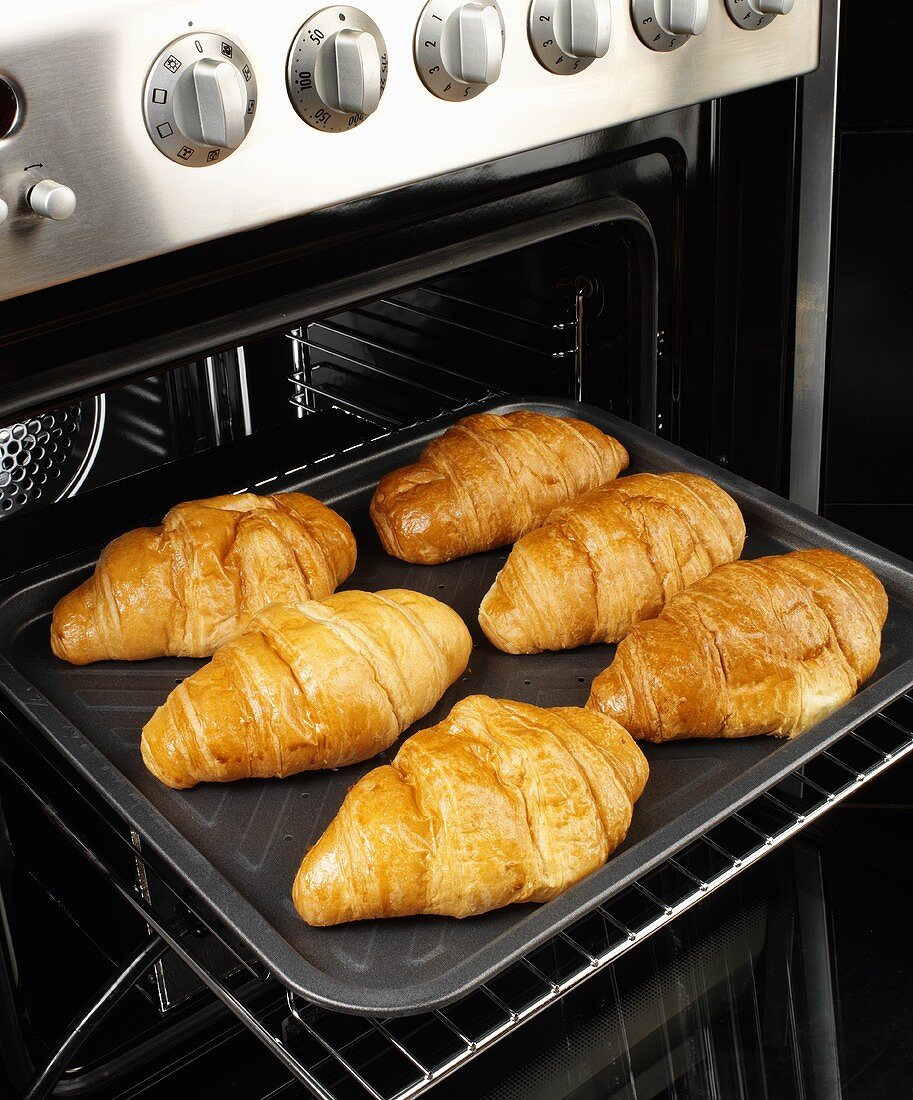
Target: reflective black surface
(868, 476)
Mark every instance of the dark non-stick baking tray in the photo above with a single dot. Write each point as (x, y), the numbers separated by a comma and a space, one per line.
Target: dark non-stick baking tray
(239, 844)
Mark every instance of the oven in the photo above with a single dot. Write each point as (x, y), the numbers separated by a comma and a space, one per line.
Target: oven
(230, 259)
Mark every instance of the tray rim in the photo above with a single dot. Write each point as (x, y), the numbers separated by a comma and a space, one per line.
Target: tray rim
(262, 938)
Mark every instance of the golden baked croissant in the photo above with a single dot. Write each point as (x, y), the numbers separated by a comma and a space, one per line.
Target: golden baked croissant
(316, 685)
(488, 480)
(608, 559)
(765, 646)
(181, 589)
(501, 802)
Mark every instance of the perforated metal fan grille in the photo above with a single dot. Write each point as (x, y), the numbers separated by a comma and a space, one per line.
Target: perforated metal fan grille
(47, 457)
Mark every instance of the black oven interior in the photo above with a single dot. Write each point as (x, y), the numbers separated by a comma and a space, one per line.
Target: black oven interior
(570, 316)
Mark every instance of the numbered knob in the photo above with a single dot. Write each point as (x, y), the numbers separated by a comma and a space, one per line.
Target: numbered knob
(200, 99)
(337, 69)
(666, 25)
(459, 46)
(50, 199)
(568, 35)
(751, 15)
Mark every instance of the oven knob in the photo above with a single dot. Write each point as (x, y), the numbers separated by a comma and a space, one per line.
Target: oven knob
(49, 199)
(458, 47)
(751, 15)
(568, 35)
(337, 69)
(212, 105)
(4, 211)
(665, 25)
(200, 99)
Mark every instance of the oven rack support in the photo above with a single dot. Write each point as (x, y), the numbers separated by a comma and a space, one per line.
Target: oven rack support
(329, 1053)
(43, 1083)
(314, 345)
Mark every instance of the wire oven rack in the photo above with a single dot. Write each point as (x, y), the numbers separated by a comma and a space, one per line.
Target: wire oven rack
(336, 1056)
(366, 363)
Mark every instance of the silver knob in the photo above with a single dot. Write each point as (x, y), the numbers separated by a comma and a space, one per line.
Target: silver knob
(4, 211)
(568, 35)
(210, 108)
(200, 99)
(751, 15)
(337, 69)
(348, 72)
(459, 46)
(471, 44)
(49, 199)
(665, 25)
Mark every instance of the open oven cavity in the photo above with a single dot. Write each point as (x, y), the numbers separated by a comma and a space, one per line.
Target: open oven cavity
(573, 317)
(570, 316)
(307, 1041)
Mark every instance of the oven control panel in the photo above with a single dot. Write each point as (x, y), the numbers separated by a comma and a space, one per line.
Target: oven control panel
(131, 130)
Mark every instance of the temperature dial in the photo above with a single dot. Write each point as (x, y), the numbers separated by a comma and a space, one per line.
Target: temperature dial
(568, 35)
(666, 25)
(200, 99)
(751, 15)
(459, 46)
(337, 69)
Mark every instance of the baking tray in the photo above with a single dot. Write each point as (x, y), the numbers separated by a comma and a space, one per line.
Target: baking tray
(240, 844)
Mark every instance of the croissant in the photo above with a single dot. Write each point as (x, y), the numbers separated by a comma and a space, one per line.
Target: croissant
(608, 559)
(488, 480)
(500, 803)
(317, 685)
(181, 589)
(765, 646)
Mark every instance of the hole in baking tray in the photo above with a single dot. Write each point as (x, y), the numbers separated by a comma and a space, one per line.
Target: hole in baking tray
(440, 586)
(179, 680)
(305, 794)
(527, 682)
(288, 836)
(581, 679)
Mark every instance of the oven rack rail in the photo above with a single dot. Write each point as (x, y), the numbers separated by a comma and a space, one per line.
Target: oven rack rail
(335, 1056)
(308, 393)
(335, 346)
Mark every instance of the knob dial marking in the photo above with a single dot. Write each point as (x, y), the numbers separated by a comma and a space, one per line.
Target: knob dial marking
(200, 99)
(666, 25)
(568, 35)
(459, 46)
(752, 15)
(337, 69)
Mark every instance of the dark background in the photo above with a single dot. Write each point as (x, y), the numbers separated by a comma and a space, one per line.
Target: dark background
(868, 474)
